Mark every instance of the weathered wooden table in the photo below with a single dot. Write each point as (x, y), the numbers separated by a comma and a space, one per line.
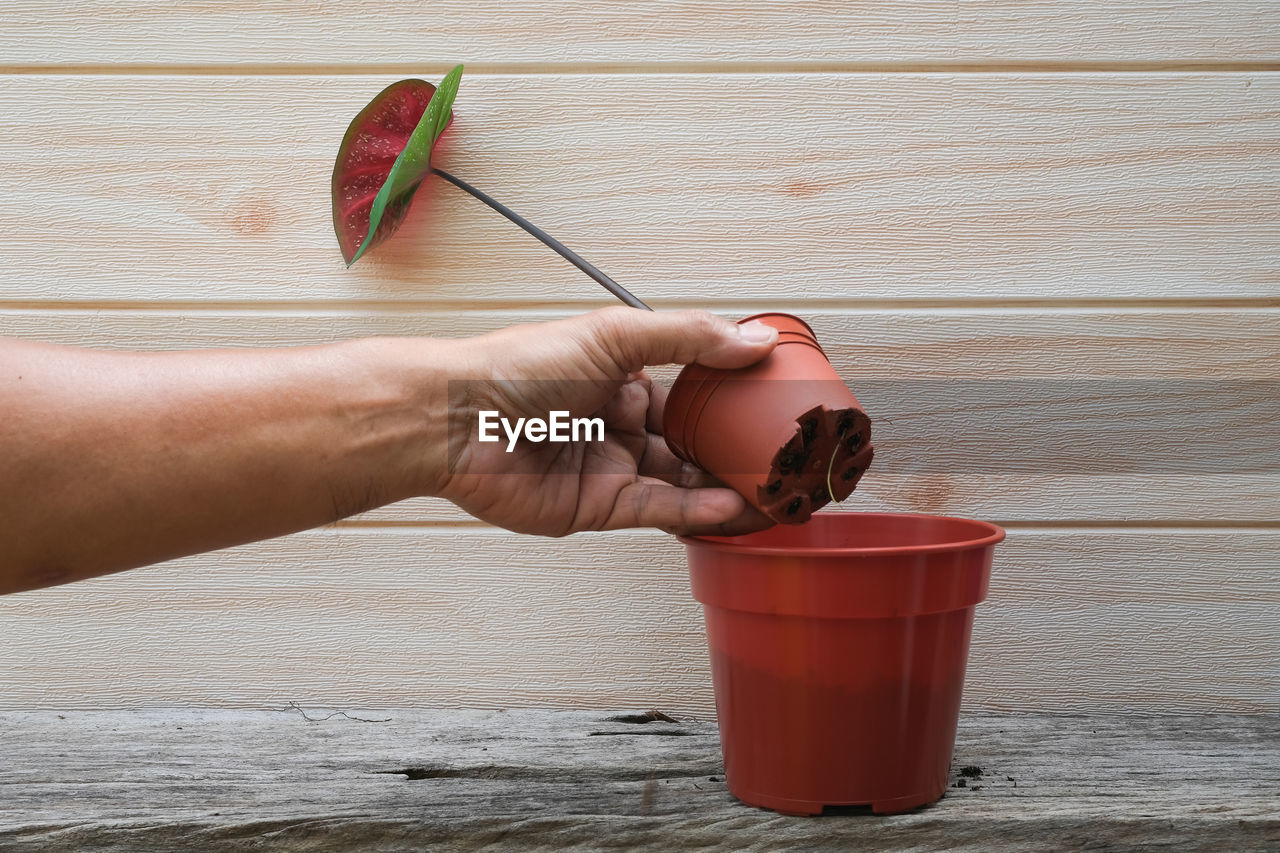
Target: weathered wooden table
(552, 780)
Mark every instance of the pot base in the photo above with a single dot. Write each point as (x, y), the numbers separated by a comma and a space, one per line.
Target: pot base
(807, 808)
(822, 462)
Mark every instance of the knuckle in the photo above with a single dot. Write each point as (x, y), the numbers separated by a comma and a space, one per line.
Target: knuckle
(612, 319)
(607, 337)
(703, 322)
(640, 500)
(690, 475)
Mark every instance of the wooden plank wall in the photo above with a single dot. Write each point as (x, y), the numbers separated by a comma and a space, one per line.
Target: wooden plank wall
(1039, 192)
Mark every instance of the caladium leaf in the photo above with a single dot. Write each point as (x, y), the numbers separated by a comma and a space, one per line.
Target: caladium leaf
(383, 159)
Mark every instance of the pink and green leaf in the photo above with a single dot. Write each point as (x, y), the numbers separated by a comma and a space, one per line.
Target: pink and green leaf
(384, 157)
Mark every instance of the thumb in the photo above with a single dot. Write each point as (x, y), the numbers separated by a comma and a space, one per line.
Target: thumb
(635, 338)
(647, 503)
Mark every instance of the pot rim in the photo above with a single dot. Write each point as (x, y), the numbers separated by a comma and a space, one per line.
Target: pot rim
(750, 317)
(994, 536)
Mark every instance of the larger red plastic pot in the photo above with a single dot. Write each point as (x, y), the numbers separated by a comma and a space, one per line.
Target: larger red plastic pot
(838, 652)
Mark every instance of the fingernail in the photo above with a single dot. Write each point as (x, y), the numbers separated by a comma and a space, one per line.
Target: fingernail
(756, 332)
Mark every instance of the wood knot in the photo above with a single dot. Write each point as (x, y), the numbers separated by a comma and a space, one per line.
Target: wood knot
(253, 218)
(803, 189)
(929, 493)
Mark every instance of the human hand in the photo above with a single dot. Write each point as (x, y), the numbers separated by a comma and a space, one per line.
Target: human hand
(593, 366)
(196, 450)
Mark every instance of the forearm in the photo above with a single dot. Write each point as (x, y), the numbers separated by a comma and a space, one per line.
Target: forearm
(114, 460)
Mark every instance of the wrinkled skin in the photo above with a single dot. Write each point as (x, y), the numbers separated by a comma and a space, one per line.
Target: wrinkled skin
(593, 366)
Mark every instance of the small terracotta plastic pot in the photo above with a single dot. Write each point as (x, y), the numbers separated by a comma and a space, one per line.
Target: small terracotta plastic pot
(838, 652)
(786, 433)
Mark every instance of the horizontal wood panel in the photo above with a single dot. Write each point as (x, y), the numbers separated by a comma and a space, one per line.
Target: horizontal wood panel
(362, 32)
(1121, 355)
(693, 188)
(1162, 499)
(1076, 620)
(862, 345)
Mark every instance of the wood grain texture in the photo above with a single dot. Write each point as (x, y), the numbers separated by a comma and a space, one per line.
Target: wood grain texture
(1158, 500)
(690, 189)
(1047, 342)
(419, 34)
(1098, 412)
(539, 780)
(1080, 619)
(920, 179)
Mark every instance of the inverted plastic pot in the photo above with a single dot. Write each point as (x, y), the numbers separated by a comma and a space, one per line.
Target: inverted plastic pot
(838, 652)
(786, 433)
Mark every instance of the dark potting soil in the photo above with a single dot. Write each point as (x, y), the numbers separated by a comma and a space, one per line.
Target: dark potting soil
(823, 461)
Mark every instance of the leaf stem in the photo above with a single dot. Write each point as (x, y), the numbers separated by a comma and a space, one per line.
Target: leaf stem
(551, 242)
